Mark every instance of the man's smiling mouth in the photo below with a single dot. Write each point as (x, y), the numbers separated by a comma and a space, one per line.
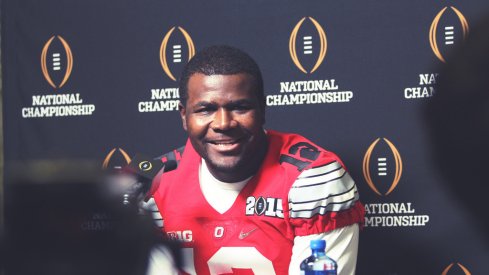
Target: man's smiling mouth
(224, 142)
(227, 145)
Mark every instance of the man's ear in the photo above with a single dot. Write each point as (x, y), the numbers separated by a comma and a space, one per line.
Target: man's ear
(183, 111)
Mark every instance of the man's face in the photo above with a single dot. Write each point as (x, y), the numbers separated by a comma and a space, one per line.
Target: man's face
(224, 119)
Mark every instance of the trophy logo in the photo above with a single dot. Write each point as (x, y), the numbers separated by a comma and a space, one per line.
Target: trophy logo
(110, 155)
(55, 61)
(308, 45)
(176, 52)
(451, 30)
(449, 267)
(381, 164)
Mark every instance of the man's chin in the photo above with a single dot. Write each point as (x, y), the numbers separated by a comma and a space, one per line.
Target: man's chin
(227, 165)
(223, 167)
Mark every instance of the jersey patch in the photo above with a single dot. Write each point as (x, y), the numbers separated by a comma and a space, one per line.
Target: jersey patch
(270, 207)
(301, 155)
(185, 236)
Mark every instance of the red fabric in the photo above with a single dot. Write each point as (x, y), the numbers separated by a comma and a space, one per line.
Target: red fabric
(332, 220)
(266, 236)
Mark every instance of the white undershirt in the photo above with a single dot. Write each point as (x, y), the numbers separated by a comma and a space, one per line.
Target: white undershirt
(341, 243)
(220, 195)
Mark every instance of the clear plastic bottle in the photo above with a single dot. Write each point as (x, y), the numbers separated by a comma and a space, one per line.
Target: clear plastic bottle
(318, 263)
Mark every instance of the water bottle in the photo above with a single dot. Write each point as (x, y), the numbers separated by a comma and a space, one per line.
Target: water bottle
(318, 263)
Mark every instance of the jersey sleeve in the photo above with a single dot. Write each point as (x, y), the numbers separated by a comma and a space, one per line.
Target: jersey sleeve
(323, 197)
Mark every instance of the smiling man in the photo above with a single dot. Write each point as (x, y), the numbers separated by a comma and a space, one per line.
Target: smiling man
(224, 120)
(245, 200)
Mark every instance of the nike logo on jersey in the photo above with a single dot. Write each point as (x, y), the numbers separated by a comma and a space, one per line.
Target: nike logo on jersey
(243, 235)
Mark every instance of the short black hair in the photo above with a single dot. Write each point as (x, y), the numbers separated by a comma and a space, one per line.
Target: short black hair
(221, 60)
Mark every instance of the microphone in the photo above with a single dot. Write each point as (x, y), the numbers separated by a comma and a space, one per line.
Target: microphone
(144, 169)
(130, 184)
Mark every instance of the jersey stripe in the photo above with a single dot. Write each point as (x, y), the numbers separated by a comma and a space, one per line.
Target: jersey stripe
(334, 191)
(322, 210)
(324, 202)
(320, 170)
(151, 207)
(353, 188)
(320, 180)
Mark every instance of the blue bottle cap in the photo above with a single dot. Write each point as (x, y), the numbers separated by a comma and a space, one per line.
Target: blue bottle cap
(318, 244)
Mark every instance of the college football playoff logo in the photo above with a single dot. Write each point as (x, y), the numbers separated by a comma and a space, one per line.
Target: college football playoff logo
(307, 45)
(55, 59)
(378, 163)
(145, 166)
(176, 52)
(449, 267)
(110, 156)
(453, 30)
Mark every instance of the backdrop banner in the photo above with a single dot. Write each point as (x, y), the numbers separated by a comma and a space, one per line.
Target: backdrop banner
(97, 80)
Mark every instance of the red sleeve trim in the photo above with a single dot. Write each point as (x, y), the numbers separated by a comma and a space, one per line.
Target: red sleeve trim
(330, 221)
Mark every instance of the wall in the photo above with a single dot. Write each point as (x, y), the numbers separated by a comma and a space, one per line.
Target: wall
(372, 65)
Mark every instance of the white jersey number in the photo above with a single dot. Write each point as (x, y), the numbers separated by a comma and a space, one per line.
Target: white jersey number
(227, 258)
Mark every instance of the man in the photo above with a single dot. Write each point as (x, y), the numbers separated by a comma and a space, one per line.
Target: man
(243, 199)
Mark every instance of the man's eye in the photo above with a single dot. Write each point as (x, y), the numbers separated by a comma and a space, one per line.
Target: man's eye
(205, 110)
(241, 108)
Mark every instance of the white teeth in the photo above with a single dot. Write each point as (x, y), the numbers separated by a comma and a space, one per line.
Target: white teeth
(224, 144)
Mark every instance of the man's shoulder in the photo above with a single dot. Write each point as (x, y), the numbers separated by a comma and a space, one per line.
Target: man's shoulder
(301, 152)
(293, 141)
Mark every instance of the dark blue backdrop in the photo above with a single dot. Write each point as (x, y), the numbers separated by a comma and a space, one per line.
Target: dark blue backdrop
(383, 54)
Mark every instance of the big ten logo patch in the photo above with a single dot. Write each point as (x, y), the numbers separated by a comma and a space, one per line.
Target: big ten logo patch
(449, 28)
(270, 207)
(185, 236)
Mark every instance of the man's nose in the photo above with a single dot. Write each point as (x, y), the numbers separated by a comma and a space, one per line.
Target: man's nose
(223, 120)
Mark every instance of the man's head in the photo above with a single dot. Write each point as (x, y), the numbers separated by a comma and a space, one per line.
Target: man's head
(223, 111)
(221, 60)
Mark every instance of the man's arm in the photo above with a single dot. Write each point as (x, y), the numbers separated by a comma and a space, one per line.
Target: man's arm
(341, 246)
(161, 262)
(324, 204)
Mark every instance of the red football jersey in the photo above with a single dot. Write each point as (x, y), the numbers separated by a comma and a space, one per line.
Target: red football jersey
(299, 190)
